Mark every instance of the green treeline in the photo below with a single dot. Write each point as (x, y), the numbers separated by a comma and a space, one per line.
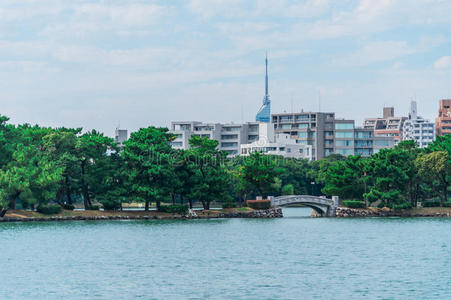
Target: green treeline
(399, 177)
(39, 165)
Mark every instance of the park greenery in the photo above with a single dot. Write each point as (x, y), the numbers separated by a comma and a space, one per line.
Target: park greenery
(47, 169)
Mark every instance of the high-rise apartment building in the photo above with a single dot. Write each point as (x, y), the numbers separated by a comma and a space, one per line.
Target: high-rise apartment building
(308, 128)
(328, 135)
(443, 121)
(388, 125)
(418, 129)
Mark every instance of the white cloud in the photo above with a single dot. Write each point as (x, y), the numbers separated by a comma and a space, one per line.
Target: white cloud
(210, 8)
(376, 52)
(443, 62)
(135, 14)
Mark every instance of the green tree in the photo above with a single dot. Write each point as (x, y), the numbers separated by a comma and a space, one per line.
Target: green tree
(92, 160)
(388, 176)
(210, 181)
(435, 169)
(60, 146)
(345, 178)
(148, 164)
(297, 173)
(318, 170)
(260, 172)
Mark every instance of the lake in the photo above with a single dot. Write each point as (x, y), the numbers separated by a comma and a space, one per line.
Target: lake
(295, 257)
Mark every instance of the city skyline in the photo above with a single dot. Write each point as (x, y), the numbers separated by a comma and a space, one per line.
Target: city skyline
(142, 63)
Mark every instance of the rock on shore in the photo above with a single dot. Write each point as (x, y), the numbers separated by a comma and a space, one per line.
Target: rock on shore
(275, 212)
(344, 212)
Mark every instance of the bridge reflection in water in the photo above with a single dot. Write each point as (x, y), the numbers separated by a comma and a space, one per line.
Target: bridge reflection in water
(323, 206)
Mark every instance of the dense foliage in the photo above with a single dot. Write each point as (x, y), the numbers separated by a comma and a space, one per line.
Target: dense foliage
(354, 204)
(41, 166)
(181, 209)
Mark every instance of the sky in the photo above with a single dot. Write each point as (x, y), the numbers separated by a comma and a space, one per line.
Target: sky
(134, 63)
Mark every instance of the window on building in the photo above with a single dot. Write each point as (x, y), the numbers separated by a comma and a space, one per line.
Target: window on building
(252, 138)
(177, 144)
(302, 134)
(328, 151)
(286, 118)
(229, 144)
(345, 151)
(345, 134)
(285, 126)
(229, 136)
(382, 143)
(344, 126)
(343, 143)
(302, 118)
(363, 134)
(253, 128)
(363, 152)
(303, 125)
(227, 129)
(329, 133)
(363, 143)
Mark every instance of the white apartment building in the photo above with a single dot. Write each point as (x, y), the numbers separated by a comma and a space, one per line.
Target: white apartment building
(236, 139)
(418, 129)
(276, 144)
(230, 136)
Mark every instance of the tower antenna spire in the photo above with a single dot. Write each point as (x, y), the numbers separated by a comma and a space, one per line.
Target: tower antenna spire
(266, 77)
(264, 114)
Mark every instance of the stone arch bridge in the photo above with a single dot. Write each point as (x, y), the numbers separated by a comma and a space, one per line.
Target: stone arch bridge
(323, 206)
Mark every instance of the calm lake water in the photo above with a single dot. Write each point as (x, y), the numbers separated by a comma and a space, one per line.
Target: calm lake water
(291, 258)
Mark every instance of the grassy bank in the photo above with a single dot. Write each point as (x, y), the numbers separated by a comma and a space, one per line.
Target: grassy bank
(135, 214)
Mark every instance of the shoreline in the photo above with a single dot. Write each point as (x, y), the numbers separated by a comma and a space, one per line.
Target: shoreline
(418, 212)
(27, 216)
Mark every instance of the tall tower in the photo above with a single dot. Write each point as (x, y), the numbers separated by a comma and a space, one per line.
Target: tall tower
(264, 114)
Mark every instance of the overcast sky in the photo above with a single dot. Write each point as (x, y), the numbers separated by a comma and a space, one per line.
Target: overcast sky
(93, 64)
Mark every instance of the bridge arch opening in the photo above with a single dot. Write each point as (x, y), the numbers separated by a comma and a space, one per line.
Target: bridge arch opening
(322, 206)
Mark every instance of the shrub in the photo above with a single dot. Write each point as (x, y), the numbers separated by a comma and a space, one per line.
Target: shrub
(259, 204)
(49, 209)
(447, 204)
(228, 204)
(402, 206)
(430, 204)
(174, 209)
(288, 189)
(354, 204)
(94, 207)
(111, 205)
(69, 206)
